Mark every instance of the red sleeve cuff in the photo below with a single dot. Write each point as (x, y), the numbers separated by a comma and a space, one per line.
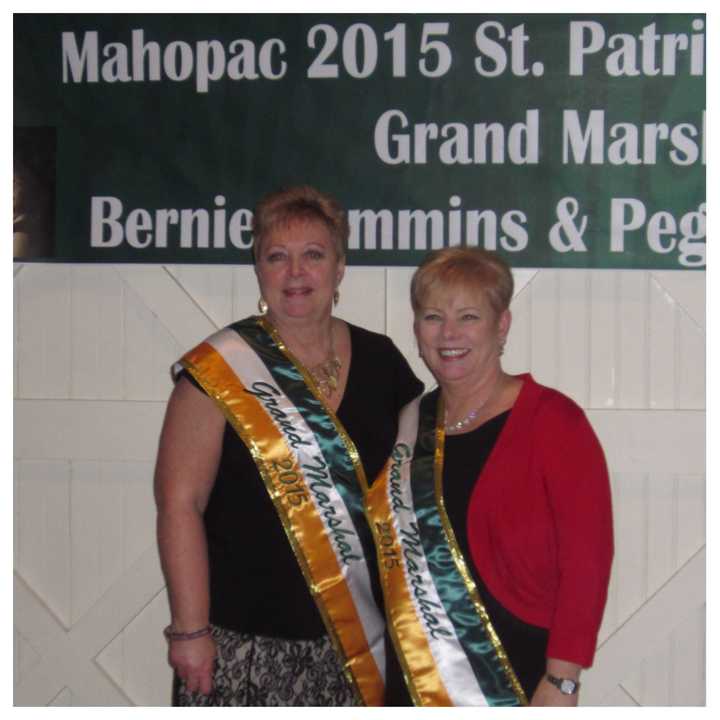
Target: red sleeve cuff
(571, 648)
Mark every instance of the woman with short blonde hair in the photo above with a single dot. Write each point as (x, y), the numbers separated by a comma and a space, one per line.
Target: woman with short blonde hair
(495, 511)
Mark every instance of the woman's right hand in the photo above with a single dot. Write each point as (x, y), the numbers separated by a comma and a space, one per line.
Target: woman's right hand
(194, 661)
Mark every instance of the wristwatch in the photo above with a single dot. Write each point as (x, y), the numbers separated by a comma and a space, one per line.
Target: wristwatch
(565, 685)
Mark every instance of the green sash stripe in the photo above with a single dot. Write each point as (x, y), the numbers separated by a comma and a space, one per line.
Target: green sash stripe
(451, 587)
(292, 383)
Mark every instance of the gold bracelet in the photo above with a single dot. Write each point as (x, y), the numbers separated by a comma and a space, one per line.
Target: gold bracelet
(171, 635)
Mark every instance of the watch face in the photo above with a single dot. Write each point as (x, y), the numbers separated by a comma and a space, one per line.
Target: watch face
(567, 687)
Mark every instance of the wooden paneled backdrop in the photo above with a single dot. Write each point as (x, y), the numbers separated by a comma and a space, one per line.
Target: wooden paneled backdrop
(93, 344)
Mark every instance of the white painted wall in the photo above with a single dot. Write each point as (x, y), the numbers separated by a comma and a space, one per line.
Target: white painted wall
(92, 348)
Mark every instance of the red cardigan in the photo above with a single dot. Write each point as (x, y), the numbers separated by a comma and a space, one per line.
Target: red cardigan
(540, 521)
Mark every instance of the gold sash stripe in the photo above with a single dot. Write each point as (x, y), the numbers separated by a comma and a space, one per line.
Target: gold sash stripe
(405, 625)
(462, 567)
(440, 669)
(280, 470)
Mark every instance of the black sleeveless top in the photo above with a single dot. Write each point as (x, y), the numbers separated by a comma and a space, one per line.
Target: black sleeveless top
(465, 457)
(256, 585)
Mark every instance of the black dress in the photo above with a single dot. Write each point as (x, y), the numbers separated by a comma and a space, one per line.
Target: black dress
(525, 644)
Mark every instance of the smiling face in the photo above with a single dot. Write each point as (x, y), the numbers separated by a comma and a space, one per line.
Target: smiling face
(298, 271)
(459, 335)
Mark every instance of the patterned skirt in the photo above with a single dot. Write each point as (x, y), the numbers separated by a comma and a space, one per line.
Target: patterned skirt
(252, 670)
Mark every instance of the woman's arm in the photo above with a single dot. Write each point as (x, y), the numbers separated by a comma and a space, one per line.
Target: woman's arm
(578, 488)
(188, 457)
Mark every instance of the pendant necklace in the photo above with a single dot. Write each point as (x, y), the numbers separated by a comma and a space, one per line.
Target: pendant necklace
(327, 374)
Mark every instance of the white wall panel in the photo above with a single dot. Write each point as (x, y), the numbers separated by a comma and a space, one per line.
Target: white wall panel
(87, 430)
(662, 350)
(617, 697)
(603, 339)
(690, 379)
(97, 338)
(399, 321)
(146, 681)
(671, 673)
(64, 698)
(44, 326)
(630, 346)
(131, 658)
(68, 654)
(158, 291)
(96, 527)
(150, 349)
(245, 293)
(544, 328)
(522, 277)
(646, 441)
(212, 288)
(629, 587)
(613, 339)
(691, 510)
(688, 654)
(518, 349)
(82, 334)
(661, 493)
(363, 298)
(621, 654)
(138, 508)
(572, 309)
(688, 290)
(223, 293)
(93, 345)
(112, 525)
(44, 557)
(25, 657)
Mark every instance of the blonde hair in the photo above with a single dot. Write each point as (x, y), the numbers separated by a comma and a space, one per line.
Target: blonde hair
(474, 269)
(300, 203)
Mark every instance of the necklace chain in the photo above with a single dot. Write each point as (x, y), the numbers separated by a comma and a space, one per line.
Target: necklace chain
(460, 424)
(325, 374)
(469, 418)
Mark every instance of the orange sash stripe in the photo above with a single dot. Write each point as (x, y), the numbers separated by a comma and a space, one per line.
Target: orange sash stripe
(301, 521)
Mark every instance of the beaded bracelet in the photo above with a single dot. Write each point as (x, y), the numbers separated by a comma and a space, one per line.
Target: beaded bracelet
(171, 635)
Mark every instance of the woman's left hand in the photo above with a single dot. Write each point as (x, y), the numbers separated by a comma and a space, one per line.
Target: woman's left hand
(547, 695)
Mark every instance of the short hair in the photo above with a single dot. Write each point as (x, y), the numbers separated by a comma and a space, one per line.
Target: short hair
(300, 203)
(468, 268)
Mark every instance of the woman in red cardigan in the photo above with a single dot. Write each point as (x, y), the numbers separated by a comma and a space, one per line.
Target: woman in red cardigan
(493, 516)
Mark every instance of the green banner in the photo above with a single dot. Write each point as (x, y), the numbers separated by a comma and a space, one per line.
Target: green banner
(555, 140)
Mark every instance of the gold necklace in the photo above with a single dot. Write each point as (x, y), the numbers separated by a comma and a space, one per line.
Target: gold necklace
(327, 373)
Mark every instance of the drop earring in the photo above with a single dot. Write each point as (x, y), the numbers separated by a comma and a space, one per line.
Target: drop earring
(262, 306)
